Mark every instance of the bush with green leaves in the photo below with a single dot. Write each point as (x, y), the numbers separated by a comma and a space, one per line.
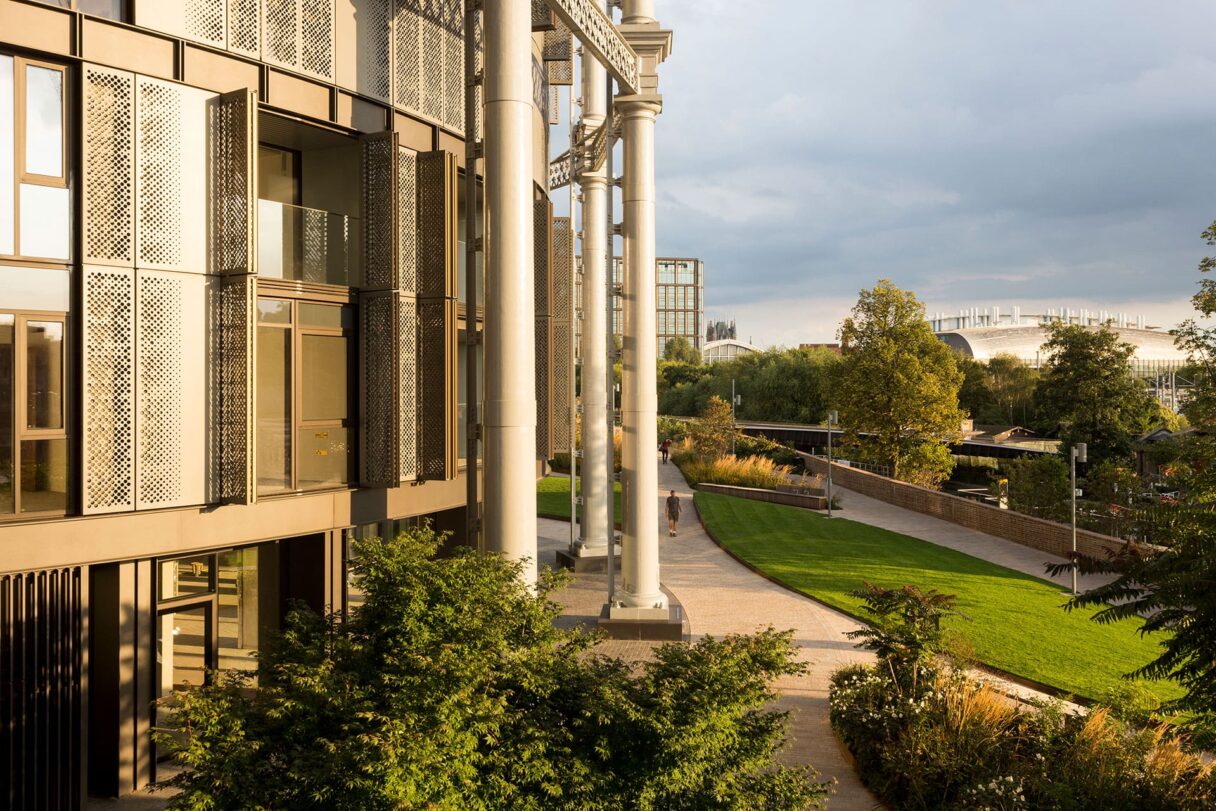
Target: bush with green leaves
(450, 688)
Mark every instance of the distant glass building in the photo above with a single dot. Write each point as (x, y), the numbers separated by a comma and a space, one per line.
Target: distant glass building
(679, 301)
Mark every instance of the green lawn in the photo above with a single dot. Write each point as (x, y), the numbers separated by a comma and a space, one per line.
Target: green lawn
(1016, 621)
(553, 498)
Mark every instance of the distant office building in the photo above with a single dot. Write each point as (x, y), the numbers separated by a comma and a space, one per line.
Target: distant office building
(726, 349)
(679, 301)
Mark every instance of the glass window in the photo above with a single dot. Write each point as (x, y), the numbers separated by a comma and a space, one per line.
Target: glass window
(324, 457)
(7, 369)
(44, 221)
(274, 409)
(44, 374)
(43, 121)
(184, 577)
(44, 475)
(274, 311)
(278, 175)
(7, 170)
(110, 9)
(324, 383)
(328, 316)
(241, 595)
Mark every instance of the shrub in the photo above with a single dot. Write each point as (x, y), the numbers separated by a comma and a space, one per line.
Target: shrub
(753, 471)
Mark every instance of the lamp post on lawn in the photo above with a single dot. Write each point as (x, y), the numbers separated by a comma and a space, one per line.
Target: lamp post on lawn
(833, 418)
(1077, 455)
(734, 401)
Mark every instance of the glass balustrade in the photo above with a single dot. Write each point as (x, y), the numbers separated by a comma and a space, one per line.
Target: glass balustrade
(307, 244)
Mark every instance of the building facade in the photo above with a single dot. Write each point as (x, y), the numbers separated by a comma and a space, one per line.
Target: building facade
(234, 334)
(679, 301)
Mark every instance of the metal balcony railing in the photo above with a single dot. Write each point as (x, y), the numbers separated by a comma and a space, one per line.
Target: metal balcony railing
(307, 244)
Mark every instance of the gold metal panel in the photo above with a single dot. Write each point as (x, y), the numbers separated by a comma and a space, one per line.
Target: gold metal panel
(108, 162)
(40, 28)
(437, 388)
(379, 386)
(380, 182)
(216, 72)
(127, 48)
(438, 263)
(232, 142)
(561, 351)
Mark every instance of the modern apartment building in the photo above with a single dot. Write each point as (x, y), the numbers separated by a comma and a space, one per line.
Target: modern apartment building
(233, 335)
(679, 300)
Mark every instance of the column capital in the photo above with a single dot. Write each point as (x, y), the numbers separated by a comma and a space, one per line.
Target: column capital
(639, 105)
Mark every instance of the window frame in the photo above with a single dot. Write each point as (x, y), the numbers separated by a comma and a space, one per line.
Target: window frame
(20, 431)
(124, 14)
(296, 297)
(23, 177)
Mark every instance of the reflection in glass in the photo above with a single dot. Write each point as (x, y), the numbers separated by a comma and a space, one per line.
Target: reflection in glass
(184, 577)
(181, 656)
(43, 121)
(110, 9)
(240, 585)
(44, 374)
(44, 222)
(307, 244)
(324, 457)
(44, 475)
(6, 413)
(323, 371)
(274, 409)
(6, 155)
(274, 311)
(331, 316)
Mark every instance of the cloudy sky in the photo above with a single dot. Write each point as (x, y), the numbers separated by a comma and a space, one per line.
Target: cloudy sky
(997, 152)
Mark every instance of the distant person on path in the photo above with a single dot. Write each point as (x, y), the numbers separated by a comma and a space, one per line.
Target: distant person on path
(673, 512)
(665, 448)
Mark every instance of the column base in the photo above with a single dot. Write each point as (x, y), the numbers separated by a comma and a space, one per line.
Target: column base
(584, 559)
(658, 624)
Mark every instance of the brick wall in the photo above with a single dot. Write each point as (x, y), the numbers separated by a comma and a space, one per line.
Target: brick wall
(1046, 536)
(806, 501)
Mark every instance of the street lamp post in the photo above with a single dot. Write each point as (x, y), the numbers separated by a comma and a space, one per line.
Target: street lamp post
(734, 401)
(833, 418)
(1077, 455)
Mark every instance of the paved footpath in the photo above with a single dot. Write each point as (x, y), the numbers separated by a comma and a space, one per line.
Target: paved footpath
(721, 596)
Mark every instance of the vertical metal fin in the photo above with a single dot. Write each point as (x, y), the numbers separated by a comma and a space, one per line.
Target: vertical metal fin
(542, 246)
(562, 309)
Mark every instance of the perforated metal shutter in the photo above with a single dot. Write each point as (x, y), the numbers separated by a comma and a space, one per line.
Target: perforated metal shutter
(562, 309)
(108, 390)
(109, 166)
(42, 660)
(428, 59)
(378, 354)
(542, 247)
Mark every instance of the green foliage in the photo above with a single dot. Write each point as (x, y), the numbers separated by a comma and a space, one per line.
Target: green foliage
(907, 628)
(746, 445)
(959, 744)
(1111, 484)
(779, 385)
(672, 428)
(553, 498)
(679, 350)
(1039, 486)
(1088, 392)
(1011, 384)
(752, 471)
(974, 396)
(450, 687)
(898, 384)
(711, 433)
(1172, 588)
(1199, 342)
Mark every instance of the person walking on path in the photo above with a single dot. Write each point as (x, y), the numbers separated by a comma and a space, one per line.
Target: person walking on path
(673, 513)
(665, 448)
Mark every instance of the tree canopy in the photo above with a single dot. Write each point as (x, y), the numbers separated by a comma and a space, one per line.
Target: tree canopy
(897, 386)
(679, 350)
(450, 687)
(1088, 393)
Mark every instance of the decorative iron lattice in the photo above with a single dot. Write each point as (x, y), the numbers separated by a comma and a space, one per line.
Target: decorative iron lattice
(436, 372)
(599, 36)
(158, 391)
(542, 246)
(244, 27)
(560, 73)
(232, 129)
(542, 18)
(436, 224)
(205, 21)
(109, 156)
(562, 309)
(407, 219)
(316, 21)
(558, 45)
(380, 388)
(280, 24)
(237, 309)
(407, 54)
(544, 387)
(42, 660)
(375, 49)
(408, 389)
(158, 179)
(379, 181)
(432, 69)
(453, 65)
(109, 397)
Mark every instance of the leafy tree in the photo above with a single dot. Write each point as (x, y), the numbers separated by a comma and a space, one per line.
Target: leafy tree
(898, 384)
(1171, 588)
(1011, 384)
(974, 396)
(1088, 393)
(1039, 486)
(1199, 343)
(907, 629)
(450, 687)
(679, 350)
(712, 432)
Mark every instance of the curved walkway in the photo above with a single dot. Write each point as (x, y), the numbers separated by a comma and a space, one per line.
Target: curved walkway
(721, 596)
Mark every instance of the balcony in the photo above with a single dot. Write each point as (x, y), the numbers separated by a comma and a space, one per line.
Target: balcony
(307, 245)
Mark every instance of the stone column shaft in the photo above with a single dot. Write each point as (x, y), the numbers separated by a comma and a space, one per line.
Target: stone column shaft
(510, 349)
(597, 442)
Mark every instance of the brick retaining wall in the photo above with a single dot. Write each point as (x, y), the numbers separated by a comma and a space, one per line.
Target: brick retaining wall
(808, 502)
(1036, 533)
